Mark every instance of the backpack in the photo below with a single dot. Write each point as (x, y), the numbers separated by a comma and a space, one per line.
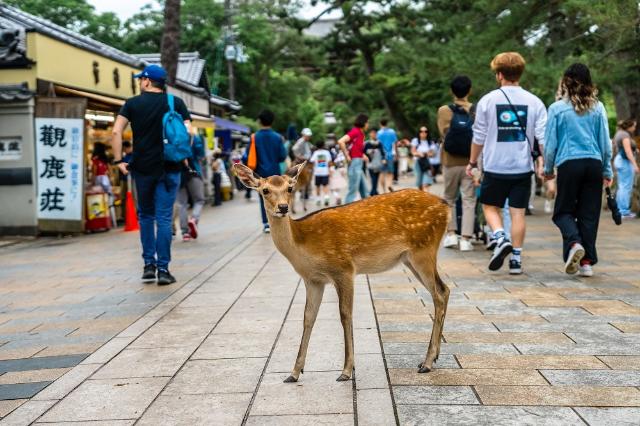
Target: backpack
(177, 141)
(458, 138)
(375, 164)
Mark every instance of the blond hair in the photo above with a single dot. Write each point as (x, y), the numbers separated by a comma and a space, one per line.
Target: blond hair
(509, 64)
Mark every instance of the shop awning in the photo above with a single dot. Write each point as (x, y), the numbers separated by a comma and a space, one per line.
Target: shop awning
(202, 122)
(222, 124)
(98, 100)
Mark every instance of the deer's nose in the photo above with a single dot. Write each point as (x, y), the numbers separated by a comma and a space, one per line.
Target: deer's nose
(283, 208)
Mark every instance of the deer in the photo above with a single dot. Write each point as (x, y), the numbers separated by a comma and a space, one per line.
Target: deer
(413, 223)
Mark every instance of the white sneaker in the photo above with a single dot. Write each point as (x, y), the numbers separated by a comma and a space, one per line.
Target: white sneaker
(548, 206)
(573, 259)
(465, 245)
(451, 241)
(585, 271)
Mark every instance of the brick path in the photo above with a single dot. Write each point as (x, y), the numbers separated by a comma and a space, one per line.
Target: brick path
(543, 348)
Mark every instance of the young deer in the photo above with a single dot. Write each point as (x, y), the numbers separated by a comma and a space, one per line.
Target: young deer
(411, 223)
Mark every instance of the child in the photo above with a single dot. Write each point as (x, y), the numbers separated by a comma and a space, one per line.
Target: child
(321, 160)
(338, 177)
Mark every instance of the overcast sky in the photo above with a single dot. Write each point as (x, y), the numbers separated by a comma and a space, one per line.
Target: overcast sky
(127, 8)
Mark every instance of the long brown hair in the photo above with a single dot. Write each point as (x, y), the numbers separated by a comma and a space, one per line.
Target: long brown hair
(578, 88)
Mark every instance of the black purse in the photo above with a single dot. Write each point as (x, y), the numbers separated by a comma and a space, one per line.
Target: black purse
(613, 206)
(424, 164)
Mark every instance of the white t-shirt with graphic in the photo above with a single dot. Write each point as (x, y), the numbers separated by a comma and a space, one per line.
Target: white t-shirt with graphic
(321, 159)
(506, 150)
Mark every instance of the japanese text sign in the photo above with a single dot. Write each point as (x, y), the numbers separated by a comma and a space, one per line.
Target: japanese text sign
(60, 156)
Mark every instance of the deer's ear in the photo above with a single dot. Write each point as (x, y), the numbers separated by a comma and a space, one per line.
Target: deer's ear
(295, 171)
(247, 176)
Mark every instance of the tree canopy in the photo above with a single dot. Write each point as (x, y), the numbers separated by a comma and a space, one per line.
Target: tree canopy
(391, 58)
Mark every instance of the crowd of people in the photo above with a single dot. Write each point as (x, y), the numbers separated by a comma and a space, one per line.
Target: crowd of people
(494, 156)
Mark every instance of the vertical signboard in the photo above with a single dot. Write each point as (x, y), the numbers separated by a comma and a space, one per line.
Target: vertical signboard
(59, 154)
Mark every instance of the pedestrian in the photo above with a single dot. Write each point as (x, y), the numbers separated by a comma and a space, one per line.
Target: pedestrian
(507, 121)
(218, 169)
(269, 152)
(100, 168)
(157, 180)
(354, 157)
(403, 149)
(338, 178)
(191, 189)
(626, 165)
(302, 148)
(435, 157)
(422, 152)
(321, 159)
(455, 122)
(375, 152)
(388, 139)
(577, 143)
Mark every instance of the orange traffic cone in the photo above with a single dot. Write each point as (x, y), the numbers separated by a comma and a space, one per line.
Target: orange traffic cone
(131, 218)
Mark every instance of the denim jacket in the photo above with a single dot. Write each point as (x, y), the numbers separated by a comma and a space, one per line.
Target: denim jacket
(570, 136)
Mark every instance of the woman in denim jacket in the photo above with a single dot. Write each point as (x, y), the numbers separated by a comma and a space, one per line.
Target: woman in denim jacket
(577, 143)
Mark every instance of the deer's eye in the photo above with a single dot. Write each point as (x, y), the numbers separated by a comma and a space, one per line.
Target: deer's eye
(290, 189)
(265, 191)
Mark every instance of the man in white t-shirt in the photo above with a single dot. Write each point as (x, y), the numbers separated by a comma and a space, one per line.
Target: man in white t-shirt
(321, 160)
(506, 123)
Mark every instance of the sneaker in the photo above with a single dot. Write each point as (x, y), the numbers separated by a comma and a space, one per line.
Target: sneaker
(491, 244)
(165, 277)
(465, 245)
(573, 259)
(186, 238)
(585, 270)
(193, 228)
(515, 267)
(266, 229)
(548, 206)
(326, 202)
(149, 273)
(451, 241)
(500, 253)
(629, 216)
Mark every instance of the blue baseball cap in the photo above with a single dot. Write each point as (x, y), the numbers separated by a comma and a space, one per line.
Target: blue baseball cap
(153, 72)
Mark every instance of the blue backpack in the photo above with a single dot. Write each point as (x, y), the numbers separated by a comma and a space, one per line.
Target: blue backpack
(176, 138)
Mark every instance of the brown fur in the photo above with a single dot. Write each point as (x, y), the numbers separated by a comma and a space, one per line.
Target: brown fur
(304, 180)
(366, 237)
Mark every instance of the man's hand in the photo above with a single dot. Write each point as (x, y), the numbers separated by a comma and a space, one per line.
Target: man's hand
(608, 182)
(468, 170)
(123, 167)
(548, 177)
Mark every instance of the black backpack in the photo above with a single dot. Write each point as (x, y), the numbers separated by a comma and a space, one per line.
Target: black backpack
(458, 138)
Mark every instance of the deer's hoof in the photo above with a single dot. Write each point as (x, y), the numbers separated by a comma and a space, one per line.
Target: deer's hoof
(290, 379)
(343, 378)
(422, 369)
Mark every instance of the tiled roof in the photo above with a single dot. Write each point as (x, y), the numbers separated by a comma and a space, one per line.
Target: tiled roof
(11, 17)
(191, 68)
(15, 92)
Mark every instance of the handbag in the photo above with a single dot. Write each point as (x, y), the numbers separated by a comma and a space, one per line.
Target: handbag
(613, 206)
(424, 164)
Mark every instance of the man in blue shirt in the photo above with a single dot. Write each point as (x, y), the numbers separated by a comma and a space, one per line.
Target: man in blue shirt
(388, 139)
(271, 152)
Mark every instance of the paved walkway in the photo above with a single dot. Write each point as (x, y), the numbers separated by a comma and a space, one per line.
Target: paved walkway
(542, 348)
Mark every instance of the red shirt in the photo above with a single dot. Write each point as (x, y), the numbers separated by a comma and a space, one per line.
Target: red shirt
(356, 146)
(101, 166)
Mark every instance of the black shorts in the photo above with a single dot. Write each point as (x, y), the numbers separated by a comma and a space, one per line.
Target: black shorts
(322, 180)
(496, 189)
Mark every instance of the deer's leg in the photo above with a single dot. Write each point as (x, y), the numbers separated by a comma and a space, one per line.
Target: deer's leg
(344, 287)
(424, 268)
(314, 292)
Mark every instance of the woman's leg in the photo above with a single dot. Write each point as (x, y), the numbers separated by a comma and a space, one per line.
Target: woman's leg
(570, 176)
(625, 184)
(353, 174)
(588, 208)
(374, 182)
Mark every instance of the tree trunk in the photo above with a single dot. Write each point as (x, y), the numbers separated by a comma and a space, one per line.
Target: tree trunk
(170, 46)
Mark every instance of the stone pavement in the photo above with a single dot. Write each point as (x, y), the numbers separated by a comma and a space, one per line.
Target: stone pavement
(542, 348)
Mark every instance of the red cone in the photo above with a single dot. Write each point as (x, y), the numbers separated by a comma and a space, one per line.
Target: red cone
(131, 218)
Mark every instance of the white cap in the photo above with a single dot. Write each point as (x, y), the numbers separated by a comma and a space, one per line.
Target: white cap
(307, 132)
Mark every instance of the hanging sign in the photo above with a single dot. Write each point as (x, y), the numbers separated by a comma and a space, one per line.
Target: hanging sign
(59, 154)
